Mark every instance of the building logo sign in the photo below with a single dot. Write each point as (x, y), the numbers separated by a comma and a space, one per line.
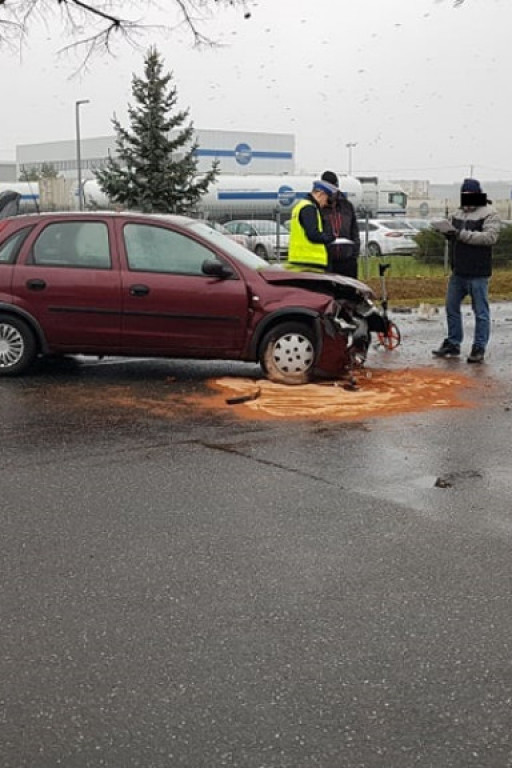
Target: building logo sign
(243, 154)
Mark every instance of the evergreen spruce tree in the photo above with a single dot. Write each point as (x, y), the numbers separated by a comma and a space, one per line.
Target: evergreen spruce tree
(154, 171)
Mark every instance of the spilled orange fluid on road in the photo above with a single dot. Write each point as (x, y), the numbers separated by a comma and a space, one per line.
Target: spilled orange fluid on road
(379, 394)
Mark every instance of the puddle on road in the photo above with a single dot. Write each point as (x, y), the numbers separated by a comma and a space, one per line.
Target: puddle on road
(379, 394)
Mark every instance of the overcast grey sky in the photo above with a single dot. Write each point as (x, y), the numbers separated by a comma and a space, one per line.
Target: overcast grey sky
(421, 86)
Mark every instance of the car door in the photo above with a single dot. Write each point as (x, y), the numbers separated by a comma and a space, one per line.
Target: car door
(67, 278)
(169, 305)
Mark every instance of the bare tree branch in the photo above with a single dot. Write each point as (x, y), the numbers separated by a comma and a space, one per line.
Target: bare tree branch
(103, 19)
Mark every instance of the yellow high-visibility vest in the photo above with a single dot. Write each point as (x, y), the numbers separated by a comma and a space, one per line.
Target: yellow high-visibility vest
(302, 253)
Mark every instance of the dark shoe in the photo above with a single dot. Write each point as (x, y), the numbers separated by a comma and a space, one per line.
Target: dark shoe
(476, 355)
(447, 350)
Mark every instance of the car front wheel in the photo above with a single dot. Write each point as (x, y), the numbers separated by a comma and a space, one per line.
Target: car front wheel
(374, 250)
(18, 347)
(288, 353)
(261, 251)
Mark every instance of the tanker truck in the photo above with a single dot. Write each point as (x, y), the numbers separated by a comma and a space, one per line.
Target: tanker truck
(244, 197)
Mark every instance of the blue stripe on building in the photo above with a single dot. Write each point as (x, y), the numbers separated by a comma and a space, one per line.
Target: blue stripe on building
(254, 153)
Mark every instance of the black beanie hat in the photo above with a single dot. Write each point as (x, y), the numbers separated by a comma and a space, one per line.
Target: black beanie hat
(330, 177)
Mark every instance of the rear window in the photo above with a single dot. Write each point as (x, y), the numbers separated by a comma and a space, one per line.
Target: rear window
(270, 228)
(73, 244)
(10, 249)
(396, 224)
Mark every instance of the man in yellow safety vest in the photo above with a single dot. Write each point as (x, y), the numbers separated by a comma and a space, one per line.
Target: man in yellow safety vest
(308, 236)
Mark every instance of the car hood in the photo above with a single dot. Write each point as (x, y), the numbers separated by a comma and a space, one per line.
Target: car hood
(333, 285)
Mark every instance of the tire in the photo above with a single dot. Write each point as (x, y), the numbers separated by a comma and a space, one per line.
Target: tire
(18, 348)
(374, 250)
(261, 251)
(288, 353)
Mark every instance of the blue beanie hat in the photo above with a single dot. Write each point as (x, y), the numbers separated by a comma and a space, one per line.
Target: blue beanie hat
(324, 186)
(471, 185)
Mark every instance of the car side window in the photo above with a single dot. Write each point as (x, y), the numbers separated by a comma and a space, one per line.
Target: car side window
(73, 244)
(156, 249)
(10, 249)
(244, 229)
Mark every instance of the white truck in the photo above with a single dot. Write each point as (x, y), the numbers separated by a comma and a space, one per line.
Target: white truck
(248, 197)
(382, 198)
(234, 197)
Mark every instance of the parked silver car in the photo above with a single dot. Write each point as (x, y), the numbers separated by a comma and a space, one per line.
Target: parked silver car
(240, 239)
(265, 238)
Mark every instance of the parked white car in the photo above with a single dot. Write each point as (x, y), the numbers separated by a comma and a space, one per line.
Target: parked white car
(387, 236)
(419, 224)
(263, 237)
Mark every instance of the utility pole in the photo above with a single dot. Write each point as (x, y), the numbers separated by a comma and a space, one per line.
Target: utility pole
(78, 153)
(350, 145)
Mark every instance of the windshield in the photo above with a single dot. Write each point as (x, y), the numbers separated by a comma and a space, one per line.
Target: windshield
(232, 248)
(398, 198)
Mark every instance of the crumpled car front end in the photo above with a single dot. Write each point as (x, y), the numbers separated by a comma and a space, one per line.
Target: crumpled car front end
(345, 321)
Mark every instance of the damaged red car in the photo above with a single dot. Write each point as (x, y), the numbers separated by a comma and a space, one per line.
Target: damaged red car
(128, 284)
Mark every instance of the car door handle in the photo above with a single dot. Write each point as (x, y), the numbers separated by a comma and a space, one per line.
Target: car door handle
(36, 285)
(139, 290)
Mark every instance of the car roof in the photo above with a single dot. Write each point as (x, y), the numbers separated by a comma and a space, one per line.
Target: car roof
(177, 219)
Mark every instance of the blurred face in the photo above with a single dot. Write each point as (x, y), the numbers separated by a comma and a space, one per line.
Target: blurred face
(470, 201)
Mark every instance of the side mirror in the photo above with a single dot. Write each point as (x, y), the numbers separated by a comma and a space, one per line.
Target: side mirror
(214, 268)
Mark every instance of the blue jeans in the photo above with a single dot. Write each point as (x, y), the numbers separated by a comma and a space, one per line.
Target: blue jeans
(477, 289)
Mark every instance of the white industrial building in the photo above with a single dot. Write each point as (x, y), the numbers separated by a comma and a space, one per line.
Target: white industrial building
(238, 152)
(7, 171)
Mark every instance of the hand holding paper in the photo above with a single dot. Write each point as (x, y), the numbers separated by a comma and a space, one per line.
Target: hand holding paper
(342, 241)
(444, 226)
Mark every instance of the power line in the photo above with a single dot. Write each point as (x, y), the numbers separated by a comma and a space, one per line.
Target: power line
(476, 166)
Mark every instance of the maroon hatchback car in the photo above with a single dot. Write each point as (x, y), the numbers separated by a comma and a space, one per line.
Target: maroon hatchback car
(127, 284)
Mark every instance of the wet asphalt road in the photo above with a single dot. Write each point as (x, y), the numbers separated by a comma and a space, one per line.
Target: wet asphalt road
(199, 591)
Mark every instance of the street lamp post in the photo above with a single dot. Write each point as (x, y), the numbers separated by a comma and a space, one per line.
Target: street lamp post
(78, 153)
(350, 145)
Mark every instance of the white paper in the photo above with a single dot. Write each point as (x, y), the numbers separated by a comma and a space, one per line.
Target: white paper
(443, 225)
(342, 241)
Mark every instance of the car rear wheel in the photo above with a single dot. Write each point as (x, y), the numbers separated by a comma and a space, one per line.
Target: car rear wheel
(261, 251)
(288, 353)
(374, 250)
(18, 347)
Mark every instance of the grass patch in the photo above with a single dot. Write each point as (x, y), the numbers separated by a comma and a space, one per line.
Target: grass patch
(410, 282)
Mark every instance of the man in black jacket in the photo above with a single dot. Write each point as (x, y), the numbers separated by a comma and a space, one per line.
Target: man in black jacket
(474, 229)
(340, 217)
